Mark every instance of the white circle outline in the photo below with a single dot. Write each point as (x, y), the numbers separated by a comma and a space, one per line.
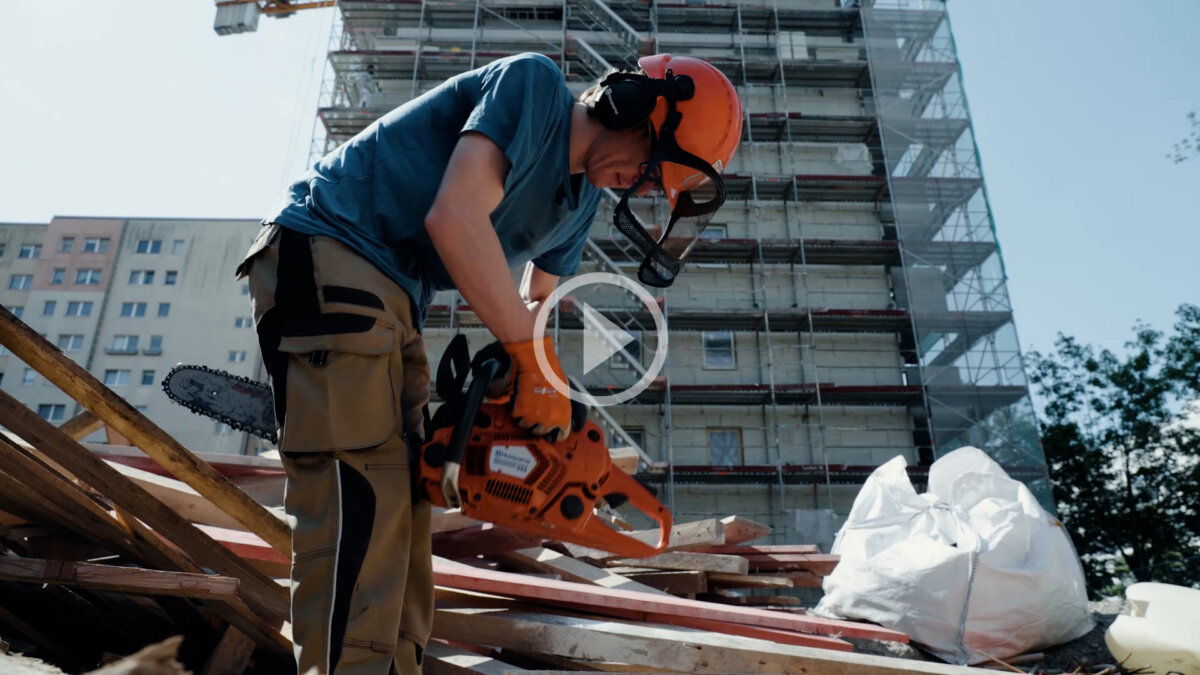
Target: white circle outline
(543, 316)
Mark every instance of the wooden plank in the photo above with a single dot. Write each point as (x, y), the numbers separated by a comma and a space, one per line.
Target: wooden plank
(448, 520)
(179, 496)
(706, 562)
(442, 659)
(263, 593)
(118, 414)
(751, 549)
(675, 582)
(120, 579)
(625, 459)
(82, 425)
(708, 532)
(723, 580)
(232, 654)
(803, 578)
(85, 516)
(552, 562)
(482, 539)
(656, 646)
(817, 563)
(601, 601)
(739, 530)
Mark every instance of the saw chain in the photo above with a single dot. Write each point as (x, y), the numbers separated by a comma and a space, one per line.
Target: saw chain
(240, 402)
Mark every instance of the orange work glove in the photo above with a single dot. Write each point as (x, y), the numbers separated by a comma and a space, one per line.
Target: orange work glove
(537, 405)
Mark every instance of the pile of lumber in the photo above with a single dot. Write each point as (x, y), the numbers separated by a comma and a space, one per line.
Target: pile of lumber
(107, 550)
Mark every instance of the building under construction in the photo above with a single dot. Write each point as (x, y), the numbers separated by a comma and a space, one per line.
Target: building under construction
(847, 305)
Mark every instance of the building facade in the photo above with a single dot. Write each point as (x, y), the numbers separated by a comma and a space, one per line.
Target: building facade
(128, 299)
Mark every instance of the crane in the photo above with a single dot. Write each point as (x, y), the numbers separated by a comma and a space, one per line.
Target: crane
(241, 16)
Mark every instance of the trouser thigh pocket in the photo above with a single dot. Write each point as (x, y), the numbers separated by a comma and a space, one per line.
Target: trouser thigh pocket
(340, 389)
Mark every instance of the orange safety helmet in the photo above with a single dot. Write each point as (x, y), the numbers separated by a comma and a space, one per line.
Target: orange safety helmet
(711, 128)
(696, 122)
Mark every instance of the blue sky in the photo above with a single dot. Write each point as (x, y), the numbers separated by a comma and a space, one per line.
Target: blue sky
(137, 108)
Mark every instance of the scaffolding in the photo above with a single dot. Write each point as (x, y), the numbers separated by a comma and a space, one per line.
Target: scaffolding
(853, 273)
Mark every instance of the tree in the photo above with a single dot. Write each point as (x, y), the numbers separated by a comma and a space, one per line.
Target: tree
(1121, 434)
(1189, 147)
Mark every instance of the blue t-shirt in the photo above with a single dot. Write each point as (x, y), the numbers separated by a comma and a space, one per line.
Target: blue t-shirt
(373, 192)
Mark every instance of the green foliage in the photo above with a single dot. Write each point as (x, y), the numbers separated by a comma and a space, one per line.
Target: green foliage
(1125, 466)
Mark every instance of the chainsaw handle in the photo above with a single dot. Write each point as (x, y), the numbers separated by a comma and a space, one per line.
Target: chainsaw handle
(484, 374)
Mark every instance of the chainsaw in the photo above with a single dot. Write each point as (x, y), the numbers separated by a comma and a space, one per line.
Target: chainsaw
(476, 457)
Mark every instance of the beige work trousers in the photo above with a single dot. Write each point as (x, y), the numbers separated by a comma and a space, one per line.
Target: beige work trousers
(350, 376)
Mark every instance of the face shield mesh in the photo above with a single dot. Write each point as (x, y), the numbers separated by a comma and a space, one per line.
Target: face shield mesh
(664, 258)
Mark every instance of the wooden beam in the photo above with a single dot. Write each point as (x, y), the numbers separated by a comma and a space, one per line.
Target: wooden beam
(482, 539)
(120, 579)
(723, 580)
(675, 582)
(231, 655)
(262, 592)
(82, 425)
(818, 563)
(442, 659)
(739, 530)
(662, 647)
(179, 496)
(707, 562)
(603, 601)
(708, 532)
(552, 562)
(750, 549)
(118, 414)
(448, 520)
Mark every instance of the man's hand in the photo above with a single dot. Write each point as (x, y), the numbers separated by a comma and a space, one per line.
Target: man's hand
(537, 405)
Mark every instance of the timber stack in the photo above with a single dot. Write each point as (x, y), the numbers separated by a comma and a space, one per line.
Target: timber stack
(113, 552)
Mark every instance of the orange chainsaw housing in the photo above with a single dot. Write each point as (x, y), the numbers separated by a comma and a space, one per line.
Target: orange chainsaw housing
(531, 484)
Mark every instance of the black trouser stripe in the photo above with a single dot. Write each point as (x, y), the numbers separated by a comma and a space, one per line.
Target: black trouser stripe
(358, 518)
(295, 300)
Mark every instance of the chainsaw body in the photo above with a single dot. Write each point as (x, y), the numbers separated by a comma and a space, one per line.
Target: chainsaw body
(509, 477)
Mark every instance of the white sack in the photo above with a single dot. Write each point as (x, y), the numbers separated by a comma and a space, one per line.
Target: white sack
(971, 569)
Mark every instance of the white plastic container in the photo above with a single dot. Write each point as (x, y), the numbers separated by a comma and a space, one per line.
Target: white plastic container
(1163, 630)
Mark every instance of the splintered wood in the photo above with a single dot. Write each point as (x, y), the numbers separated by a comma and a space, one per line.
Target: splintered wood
(106, 550)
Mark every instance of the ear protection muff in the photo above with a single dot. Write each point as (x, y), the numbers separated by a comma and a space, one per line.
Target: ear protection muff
(628, 99)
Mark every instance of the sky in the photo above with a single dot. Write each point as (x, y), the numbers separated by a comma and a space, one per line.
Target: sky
(136, 108)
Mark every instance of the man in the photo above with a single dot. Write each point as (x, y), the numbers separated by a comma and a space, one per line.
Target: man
(495, 167)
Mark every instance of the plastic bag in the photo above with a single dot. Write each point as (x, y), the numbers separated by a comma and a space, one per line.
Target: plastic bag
(972, 569)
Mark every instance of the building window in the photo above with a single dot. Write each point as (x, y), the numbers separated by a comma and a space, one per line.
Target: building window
(164, 309)
(116, 378)
(2, 247)
(70, 343)
(713, 232)
(87, 277)
(133, 309)
(20, 282)
(725, 447)
(637, 435)
(237, 357)
(222, 429)
(58, 276)
(29, 376)
(155, 346)
(48, 308)
(718, 349)
(124, 344)
(17, 311)
(243, 322)
(141, 277)
(52, 412)
(147, 378)
(245, 289)
(30, 251)
(67, 244)
(177, 247)
(95, 245)
(149, 246)
(171, 276)
(79, 308)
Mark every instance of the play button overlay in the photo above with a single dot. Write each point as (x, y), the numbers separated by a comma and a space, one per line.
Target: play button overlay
(602, 338)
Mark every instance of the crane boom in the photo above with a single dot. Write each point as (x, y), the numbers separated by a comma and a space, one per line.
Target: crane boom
(241, 16)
